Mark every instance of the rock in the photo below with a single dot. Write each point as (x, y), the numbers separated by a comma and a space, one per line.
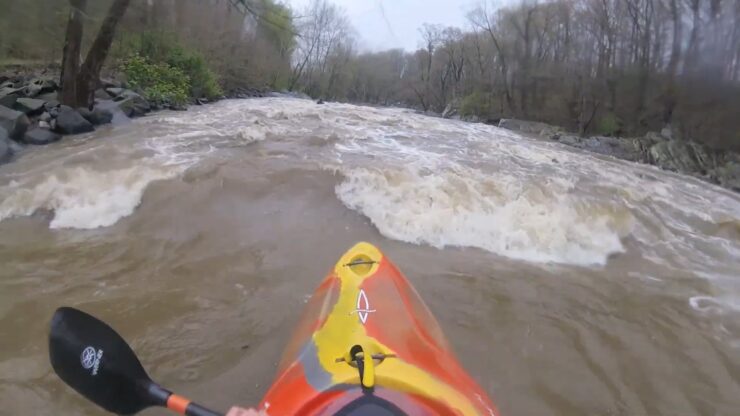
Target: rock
(44, 125)
(51, 105)
(114, 91)
(9, 100)
(728, 175)
(110, 83)
(533, 127)
(100, 94)
(45, 116)
(69, 121)
(570, 140)
(320, 101)
(3, 78)
(49, 96)
(667, 132)
(30, 106)
(112, 107)
(654, 138)
(686, 157)
(96, 116)
(450, 110)
(14, 122)
(40, 136)
(5, 152)
(132, 104)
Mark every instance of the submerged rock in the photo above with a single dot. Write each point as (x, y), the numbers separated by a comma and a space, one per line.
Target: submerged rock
(39, 136)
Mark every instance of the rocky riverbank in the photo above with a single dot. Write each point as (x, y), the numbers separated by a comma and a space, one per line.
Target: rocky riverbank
(31, 114)
(662, 149)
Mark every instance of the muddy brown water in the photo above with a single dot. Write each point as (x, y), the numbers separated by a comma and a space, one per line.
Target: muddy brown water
(568, 284)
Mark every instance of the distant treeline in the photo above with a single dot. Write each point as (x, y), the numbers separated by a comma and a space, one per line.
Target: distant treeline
(615, 67)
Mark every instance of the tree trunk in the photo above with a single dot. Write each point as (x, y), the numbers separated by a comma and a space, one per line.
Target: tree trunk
(89, 74)
(71, 54)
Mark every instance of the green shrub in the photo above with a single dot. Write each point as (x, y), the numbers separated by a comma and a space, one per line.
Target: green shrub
(609, 125)
(476, 104)
(164, 48)
(159, 82)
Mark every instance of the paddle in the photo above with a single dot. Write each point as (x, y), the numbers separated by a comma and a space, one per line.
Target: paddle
(95, 361)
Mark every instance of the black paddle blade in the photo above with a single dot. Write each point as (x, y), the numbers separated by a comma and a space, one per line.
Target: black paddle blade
(94, 360)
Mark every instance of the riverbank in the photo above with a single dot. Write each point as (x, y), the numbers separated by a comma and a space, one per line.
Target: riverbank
(662, 149)
(31, 113)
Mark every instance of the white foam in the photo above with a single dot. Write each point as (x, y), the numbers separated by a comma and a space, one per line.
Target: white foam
(81, 197)
(504, 215)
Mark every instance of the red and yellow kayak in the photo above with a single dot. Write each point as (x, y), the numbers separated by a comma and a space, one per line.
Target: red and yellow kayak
(367, 345)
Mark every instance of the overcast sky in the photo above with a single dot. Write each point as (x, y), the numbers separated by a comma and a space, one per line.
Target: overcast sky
(385, 24)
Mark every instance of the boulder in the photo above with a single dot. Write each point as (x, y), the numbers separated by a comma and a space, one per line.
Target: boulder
(30, 106)
(100, 94)
(112, 107)
(96, 116)
(40, 86)
(40, 136)
(14, 122)
(45, 116)
(5, 151)
(49, 96)
(532, 127)
(51, 104)
(9, 100)
(44, 125)
(69, 121)
(114, 91)
(728, 175)
(132, 104)
(686, 157)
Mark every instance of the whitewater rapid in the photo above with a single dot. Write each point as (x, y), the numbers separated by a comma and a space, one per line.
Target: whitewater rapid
(206, 230)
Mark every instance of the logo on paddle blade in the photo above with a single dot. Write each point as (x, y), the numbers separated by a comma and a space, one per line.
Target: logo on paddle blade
(363, 306)
(90, 359)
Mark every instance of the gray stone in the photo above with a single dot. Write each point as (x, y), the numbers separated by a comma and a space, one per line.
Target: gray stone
(70, 121)
(100, 94)
(5, 152)
(132, 104)
(44, 125)
(570, 140)
(51, 104)
(40, 136)
(112, 107)
(45, 116)
(30, 106)
(14, 122)
(97, 115)
(49, 96)
(532, 127)
(8, 100)
(115, 91)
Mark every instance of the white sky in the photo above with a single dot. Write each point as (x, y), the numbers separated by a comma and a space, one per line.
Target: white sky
(385, 24)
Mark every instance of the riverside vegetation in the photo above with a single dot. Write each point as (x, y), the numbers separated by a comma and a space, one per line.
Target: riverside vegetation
(609, 73)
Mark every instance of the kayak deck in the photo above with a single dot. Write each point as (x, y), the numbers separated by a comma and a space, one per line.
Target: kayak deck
(367, 339)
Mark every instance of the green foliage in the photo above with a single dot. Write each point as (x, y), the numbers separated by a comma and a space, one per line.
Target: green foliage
(609, 125)
(276, 25)
(164, 49)
(476, 104)
(159, 82)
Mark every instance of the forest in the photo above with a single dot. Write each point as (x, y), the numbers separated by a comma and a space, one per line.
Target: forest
(606, 67)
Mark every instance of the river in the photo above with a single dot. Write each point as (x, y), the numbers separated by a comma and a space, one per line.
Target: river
(567, 283)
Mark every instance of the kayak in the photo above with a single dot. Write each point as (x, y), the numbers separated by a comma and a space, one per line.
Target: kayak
(368, 345)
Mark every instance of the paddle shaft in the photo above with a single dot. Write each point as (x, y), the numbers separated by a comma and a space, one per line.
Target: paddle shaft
(177, 403)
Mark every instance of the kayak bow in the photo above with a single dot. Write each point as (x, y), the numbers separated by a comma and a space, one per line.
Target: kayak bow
(367, 344)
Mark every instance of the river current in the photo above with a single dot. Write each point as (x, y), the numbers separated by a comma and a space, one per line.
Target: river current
(567, 283)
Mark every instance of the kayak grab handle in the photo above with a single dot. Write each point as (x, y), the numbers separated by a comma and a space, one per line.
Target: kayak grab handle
(365, 364)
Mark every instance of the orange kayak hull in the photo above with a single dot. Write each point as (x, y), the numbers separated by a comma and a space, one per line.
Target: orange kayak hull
(366, 314)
